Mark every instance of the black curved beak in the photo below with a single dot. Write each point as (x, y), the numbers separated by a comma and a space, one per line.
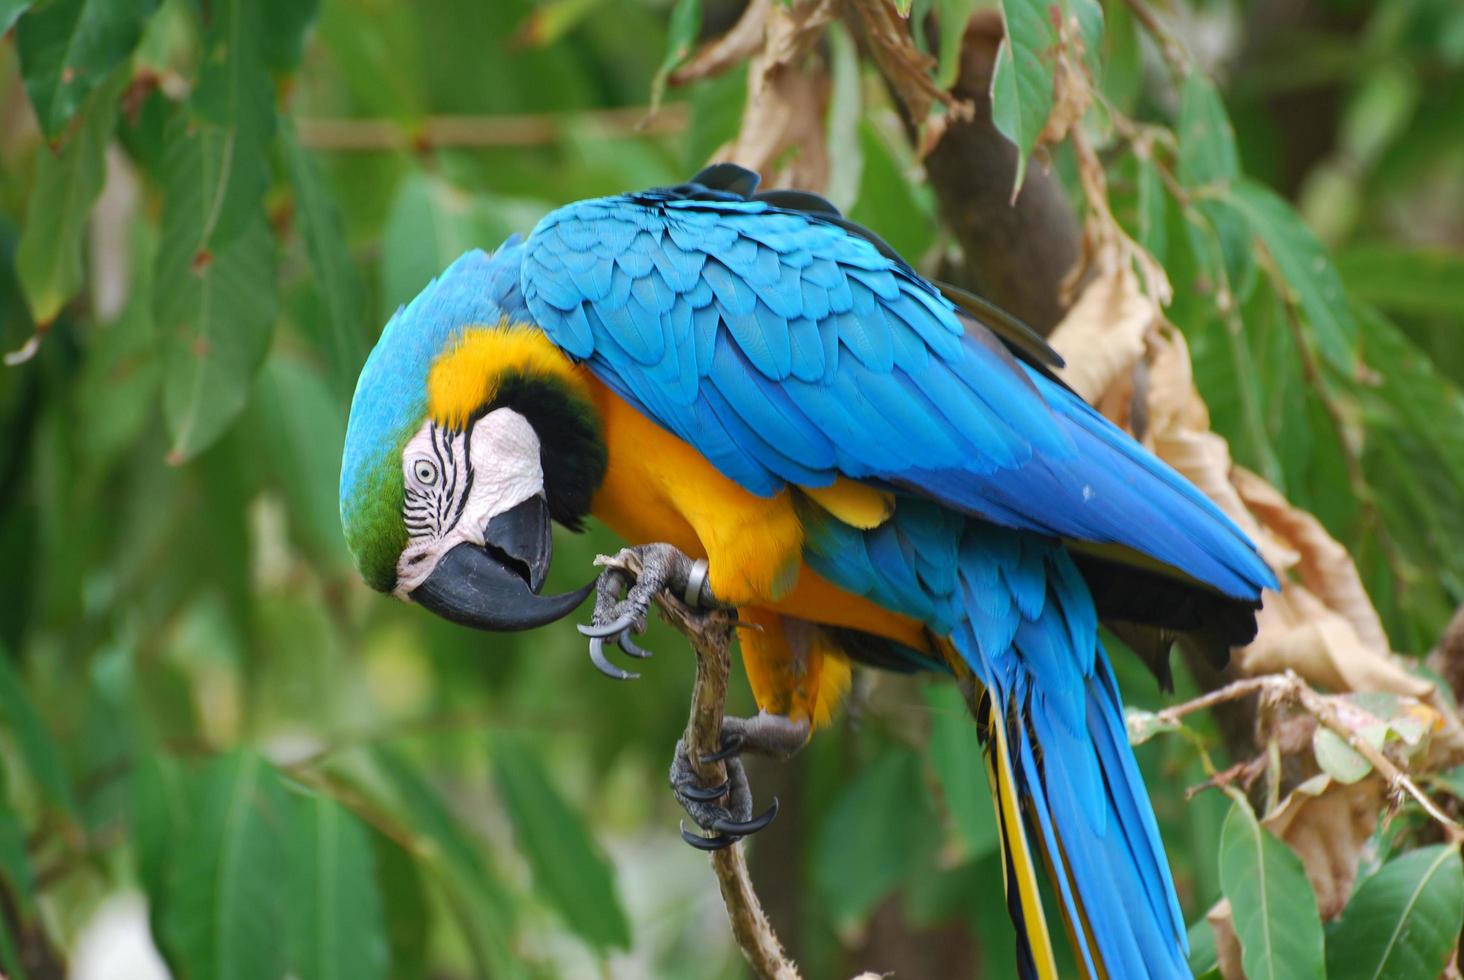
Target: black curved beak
(496, 587)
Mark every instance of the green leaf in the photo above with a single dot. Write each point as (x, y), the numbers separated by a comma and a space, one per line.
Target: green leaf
(336, 925)
(1122, 60)
(302, 433)
(686, 18)
(1153, 225)
(15, 865)
(283, 43)
(1403, 921)
(1404, 279)
(873, 837)
(1207, 153)
(1233, 243)
(1089, 16)
(1144, 725)
(233, 103)
(224, 920)
(404, 907)
(569, 869)
(1451, 780)
(1307, 272)
(37, 747)
(10, 961)
(955, 754)
(887, 197)
(551, 20)
(1415, 454)
(161, 816)
(461, 861)
(1022, 85)
(1202, 955)
(1338, 759)
(430, 225)
(69, 47)
(10, 11)
(335, 277)
(1274, 909)
(953, 15)
(215, 311)
(48, 260)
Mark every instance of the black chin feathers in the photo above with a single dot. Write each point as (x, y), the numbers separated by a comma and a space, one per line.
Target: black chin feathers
(572, 448)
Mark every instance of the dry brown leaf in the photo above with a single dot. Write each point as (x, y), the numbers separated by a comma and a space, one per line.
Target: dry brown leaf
(1103, 335)
(785, 103)
(1331, 637)
(1447, 659)
(1227, 943)
(786, 115)
(792, 31)
(1328, 824)
(1298, 631)
(1071, 93)
(728, 51)
(109, 257)
(908, 70)
(1179, 433)
(1325, 566)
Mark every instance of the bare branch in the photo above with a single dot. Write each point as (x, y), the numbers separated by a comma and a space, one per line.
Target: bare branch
(1014, 254)
(520, 129)
(1290, 687)
(710, 634)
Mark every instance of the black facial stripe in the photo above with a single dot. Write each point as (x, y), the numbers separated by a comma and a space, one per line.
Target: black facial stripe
(444, 468)
(436, 509)
(463, 500)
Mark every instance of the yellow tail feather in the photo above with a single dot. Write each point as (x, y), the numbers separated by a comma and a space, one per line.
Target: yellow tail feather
(1015, 850)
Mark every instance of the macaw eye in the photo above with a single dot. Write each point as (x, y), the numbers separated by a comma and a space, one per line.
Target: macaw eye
(425, 472)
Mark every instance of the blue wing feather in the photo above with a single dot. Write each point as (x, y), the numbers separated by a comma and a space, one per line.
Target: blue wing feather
(894, 390)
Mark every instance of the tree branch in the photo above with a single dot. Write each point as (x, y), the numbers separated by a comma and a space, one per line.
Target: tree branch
(710, 635)
(1290, 687)
(1015, 253)
(376, 134)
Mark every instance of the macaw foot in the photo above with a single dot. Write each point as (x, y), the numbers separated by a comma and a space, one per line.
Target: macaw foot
(616, 618)
(725, 810)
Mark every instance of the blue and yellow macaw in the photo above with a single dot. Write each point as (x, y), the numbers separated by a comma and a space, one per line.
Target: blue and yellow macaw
(868, 466)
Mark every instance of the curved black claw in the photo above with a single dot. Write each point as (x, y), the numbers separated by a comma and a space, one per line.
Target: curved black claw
(706, 843)
(731, 745)
(706, 794)
(741, 828)
(630, 647)
(620, 625)
(597, 657)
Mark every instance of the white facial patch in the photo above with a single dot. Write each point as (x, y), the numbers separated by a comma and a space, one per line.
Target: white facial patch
(456, 482)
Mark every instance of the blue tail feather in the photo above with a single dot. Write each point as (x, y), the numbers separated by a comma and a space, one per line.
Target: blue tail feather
(1075, 775)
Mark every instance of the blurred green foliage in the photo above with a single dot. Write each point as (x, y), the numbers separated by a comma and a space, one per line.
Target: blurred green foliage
(201, 215)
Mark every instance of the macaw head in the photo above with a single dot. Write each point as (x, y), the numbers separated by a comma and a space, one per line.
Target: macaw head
(468, 434)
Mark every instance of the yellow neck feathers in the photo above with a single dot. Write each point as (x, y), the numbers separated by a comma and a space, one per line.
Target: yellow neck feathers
(466, 376)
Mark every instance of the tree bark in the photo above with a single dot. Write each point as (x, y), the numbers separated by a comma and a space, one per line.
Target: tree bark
(1015, 253)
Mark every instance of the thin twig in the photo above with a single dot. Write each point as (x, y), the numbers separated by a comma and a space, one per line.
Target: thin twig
(1169, 45)
(1233, 691)
(520, 129)
(1321, 709)
(1289, 686)
(710, 634)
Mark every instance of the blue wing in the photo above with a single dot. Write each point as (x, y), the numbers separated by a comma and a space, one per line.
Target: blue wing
(787, 349)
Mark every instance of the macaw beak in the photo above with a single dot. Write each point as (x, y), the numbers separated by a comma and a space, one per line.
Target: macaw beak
(496, 586)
